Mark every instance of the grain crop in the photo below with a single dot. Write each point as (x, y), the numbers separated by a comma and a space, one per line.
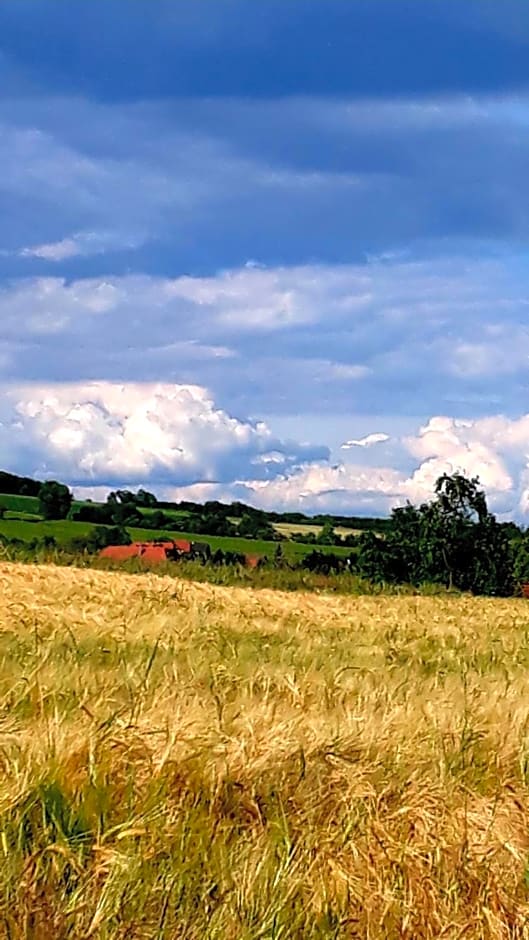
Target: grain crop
(181, 760)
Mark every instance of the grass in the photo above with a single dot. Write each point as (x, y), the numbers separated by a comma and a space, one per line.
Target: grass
(179, 514)
(23, 522)
(291, 550)
(29, 528)
(24, 509)
(62, 530)
(282, 577)
(23, 504)
(22, 516)
(189, 761)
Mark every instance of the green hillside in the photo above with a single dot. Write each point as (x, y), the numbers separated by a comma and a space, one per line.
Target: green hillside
(64, 531)
(234, 527)
(15, 503)
(234, 544)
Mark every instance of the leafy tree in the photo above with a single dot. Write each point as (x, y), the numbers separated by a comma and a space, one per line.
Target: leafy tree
(323, 562)
(304, 538)
(143, 498)
(520, 551)
(511, 530)
(55, 500)
(92, 512)
(248, 526)
(255, 526)
(327, 536)
(111, 535)
(160, 520)
(151, 520)
(211, 524)
(97, 539)
(460, 497)
(400, 556)
(126, 513)
(121, 497)
(350, 540)
(453, 540)
(372, 561)
(493, 556)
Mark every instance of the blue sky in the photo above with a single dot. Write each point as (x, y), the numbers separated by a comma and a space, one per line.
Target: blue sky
(274, 251)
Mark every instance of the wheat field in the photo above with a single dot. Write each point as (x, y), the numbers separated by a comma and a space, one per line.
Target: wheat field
(189, 761)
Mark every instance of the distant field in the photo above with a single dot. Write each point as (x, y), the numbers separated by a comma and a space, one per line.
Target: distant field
(292, 528)
(19, 503)
(23, 516)
(26, 531)
(234, 544)
(23, 522)
(173, 513)
(65, 530)
(188, 762)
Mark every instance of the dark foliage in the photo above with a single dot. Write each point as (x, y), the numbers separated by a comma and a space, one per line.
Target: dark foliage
(14, 485)
(155, 520)
(325, 563)
(227, 558)
(55, 500)
(453, 541)
(93, 512)
(97, 539)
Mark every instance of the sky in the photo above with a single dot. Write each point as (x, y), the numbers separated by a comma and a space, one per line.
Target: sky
(271, 251)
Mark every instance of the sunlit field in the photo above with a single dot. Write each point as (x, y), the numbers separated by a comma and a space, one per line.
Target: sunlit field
(182, 760)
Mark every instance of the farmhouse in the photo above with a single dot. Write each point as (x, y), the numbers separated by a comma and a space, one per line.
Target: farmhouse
(155, 552)
(168, 550)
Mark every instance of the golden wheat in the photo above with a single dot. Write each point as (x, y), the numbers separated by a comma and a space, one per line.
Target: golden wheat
(188, 761)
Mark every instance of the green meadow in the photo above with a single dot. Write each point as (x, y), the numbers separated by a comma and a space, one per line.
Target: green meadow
(22, 522)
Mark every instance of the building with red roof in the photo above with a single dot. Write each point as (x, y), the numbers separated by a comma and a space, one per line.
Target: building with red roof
(147, 551)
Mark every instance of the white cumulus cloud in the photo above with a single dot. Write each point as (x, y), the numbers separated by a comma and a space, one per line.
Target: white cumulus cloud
(102, 432)
(367, 441)
(176, 440)
(81, 244)
(447, 445)
(495, 449)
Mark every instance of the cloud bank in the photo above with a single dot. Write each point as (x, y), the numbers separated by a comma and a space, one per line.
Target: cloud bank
(398, 287)
(393, 335)
(136, 433)
(175, 440)
(201, 178)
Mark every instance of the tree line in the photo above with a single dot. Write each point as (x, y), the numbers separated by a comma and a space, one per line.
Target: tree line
(226, 518)
(453, 540)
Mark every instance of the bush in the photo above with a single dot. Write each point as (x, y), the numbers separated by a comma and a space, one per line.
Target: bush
(55, 500)
(98, 514)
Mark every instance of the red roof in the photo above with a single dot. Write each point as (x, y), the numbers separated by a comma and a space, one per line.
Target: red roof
(182, 545)
(147, 551)
(119, 552)
(158, 551)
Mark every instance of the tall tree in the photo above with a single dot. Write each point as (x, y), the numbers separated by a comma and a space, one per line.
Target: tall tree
(55, 500)
(453, 540)
(144, 498)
